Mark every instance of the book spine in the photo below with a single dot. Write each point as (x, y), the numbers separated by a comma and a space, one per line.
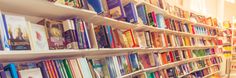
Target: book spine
(7, 47)
(78, 34)
(87, 36)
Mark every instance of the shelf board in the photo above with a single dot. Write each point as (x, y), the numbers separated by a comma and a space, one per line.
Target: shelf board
(11, 56)
(43, 8)
(197, 70)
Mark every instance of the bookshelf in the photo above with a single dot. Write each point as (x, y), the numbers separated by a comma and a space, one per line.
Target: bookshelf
(45, 9)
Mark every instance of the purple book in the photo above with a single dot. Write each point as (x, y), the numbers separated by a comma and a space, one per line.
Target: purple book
(43, 69)
(2, 73)
(78, 33)
(130, 12)
(58, 68)
(116, 9)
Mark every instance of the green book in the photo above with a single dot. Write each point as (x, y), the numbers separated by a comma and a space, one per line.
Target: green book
(151, 75)
(63, 68)
(68, 70)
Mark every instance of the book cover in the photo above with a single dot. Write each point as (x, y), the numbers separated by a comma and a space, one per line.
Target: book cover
(98, 67)
(86, 73)
(17, 32)
(148, 39)
(164, 58)
(111, 67)
(70, 35)
(31, 73)
(101, 37)
(3, 40)
(141, 39)
(160, 21)
(145, 61)
(130, 38)
(95, 5)
(86, 34)
(141, 9)
(79, 32)
(157, 40)
(133, 59)
(152, 19)
(116, 38)
(38, 37)
(54, 31)
(130, 11)
(12, 70)
(116, 9)
(108, 30)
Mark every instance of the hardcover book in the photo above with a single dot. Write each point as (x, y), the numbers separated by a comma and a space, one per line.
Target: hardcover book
(160, 21)
(38, 37)
(101, 37)
(152, 19)
(17, 32)
(116, 9)
(54, 33)
(70, 35)
(130, 11)
(31, 73)
(130, 38)
(141, 9)
(95, 5)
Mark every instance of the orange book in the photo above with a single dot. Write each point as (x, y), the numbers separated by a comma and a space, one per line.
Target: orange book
(165, 40)
(156, 39)
(189, 54)
(50, 71)
(129, 65)
(130, 38)
(116, 39)
(164, 58)
(54, 68)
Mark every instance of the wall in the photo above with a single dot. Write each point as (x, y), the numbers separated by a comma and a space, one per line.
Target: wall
(229, 9)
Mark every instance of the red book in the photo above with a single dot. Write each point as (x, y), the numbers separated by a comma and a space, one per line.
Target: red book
(116, 38)
(189, 54)
(167, 22)
(50, 71)
(154, 18)
(157, 74)
(171, 56)
(193, 30)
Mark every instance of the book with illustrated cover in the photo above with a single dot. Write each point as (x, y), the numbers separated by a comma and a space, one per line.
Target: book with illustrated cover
(145, 60)
(83, 64)
(54, 32)
(116, 9)
(141, 39)
(130, 11)
(101, 37)
(95, 5)
(38, 37)
(148, 39)
(111, 67)
(17, 33)
(152, 19)
(100, 68)
(134, 62)
(141, 9)
(156, 39)
(110, 37)
(161, 21)
(130, 38)
(117, 40)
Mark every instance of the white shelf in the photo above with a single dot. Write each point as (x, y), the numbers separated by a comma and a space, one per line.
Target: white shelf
(11, 56)
(153, 69)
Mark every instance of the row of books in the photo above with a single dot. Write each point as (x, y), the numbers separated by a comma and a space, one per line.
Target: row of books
(127, 11)
(106, 67)
(18, 34)
(196, 69)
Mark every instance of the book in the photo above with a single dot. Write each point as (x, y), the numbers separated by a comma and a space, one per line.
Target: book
(17, 32)
(142, 39)
(116, 9)
(152, 19)
(80, 32)
(31, 73)
(141, 9)
(3, 37)
(111, 67)
(130, 38)
(95, 5)
(70, 35)
(160, 21)
(38, 37)
(130, 11)
(100, 68)
(11, 70)
(117, 39)
(110, 37)
(148, 39)
(84, 66)
(101, 37)
(54, 32)
(133, 58)
(2, 72)
(156, 39)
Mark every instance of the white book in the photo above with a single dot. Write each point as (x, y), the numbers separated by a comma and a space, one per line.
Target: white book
(83, 64)
(31, 73)
(76, 68)
(38, 37)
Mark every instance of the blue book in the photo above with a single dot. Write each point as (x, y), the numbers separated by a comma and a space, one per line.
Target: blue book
(78, 33)
(134, 61)
(110, 36)
(111, 67)
(57, 65)
(142, 14)
(12, 70)
(130, 12)
(87, 39)
(95, 5)
(116, 9)
(160, 21)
